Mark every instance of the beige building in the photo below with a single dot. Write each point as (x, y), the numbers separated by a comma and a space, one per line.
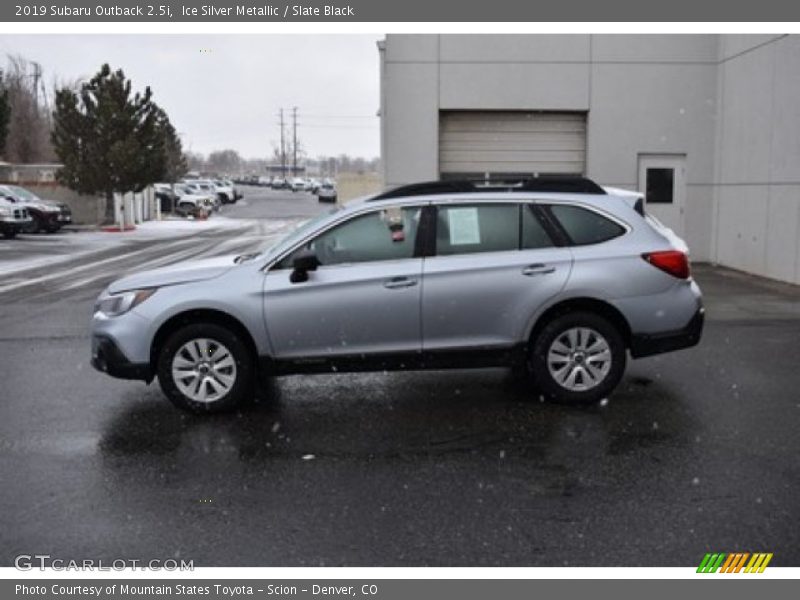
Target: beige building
(707, 125)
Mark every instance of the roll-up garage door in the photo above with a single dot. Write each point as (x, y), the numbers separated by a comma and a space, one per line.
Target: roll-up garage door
(473, 144)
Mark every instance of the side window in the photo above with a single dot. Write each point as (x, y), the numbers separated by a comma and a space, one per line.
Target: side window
(585, 226)
(381, 235)
(467, 229)
(533, 234)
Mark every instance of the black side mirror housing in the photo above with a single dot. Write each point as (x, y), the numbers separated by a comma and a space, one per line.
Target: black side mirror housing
(304, 262)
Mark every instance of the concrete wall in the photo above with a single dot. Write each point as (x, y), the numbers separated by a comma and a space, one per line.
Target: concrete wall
(757, 193)
(730, 104)
(86, 210)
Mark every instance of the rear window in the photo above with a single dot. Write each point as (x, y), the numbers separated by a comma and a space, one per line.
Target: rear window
(585, 226)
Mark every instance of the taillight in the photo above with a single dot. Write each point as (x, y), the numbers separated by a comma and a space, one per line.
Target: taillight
(674, 262)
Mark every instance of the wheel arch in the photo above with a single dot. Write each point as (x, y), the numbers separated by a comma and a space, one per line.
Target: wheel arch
(201, 315)
(583, 304)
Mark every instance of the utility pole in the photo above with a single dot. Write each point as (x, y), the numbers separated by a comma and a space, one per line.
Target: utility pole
(37, 74)
(294, 142)
(283, 150)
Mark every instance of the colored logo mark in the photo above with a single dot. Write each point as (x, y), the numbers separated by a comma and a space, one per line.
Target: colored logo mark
(735, 562)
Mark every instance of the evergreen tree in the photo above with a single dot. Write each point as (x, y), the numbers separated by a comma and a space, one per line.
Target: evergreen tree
(175, 165)
(108, 139)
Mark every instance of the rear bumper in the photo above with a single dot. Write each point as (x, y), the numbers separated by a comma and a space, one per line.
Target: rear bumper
(657, 343)
(109, 359)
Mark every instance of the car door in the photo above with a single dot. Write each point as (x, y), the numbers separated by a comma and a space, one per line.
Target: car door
(364, 298)
(495, 265)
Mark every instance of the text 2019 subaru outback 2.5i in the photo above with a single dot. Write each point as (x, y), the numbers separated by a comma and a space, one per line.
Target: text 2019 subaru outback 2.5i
(554, 276)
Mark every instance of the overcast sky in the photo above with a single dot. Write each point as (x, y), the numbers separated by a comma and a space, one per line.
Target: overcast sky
(224, 91)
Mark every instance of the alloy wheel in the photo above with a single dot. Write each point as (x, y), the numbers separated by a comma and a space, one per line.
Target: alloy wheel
(579, 359)
(204, 370)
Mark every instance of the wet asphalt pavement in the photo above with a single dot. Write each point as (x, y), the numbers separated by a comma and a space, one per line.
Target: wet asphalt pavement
(696, 452)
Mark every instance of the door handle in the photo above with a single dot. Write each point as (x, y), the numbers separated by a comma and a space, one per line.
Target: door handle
(537, 269)
(399, 282)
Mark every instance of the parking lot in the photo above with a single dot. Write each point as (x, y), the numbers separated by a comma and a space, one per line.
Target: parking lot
(695, 452)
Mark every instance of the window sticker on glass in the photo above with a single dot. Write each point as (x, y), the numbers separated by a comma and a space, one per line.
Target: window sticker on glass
(464, 226)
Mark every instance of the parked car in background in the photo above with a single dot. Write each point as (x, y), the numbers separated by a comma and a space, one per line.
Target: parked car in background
(45, 215)
(14, 217)
(298, 184)
(279, 183)
(166, 196)
(553, 277)
(201, 187)
(225, 191)
(237, 194)
(191, 200)
(326, 193)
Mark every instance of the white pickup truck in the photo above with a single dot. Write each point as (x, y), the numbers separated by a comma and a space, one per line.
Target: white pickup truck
(13, 218)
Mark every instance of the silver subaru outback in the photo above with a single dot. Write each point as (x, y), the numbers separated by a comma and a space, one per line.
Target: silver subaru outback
(557, 278)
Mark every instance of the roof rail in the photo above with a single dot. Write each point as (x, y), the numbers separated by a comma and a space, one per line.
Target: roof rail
(544, 183)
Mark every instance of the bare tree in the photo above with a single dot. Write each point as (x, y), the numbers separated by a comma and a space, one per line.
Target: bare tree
(29, 125)
(224, 162)
(195, 161)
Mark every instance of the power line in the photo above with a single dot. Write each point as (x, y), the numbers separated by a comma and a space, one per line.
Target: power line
(328, 116)
(373, 127)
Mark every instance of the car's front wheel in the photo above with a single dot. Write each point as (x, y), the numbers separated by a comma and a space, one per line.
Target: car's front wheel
(35, 225)
(205, 367)
(577, 358)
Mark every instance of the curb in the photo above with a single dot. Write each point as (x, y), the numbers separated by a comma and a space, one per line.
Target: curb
(117, 229)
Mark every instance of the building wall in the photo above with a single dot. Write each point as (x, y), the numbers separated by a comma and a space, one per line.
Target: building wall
(728, 103)
(86, 210)
(757, 192)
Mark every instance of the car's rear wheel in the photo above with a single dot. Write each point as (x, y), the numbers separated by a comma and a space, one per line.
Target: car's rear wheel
(577, 358)
(205, 367)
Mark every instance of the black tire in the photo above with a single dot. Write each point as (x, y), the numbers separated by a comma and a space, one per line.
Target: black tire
(544, 380)
(10, 234)
(241, 391)
(35, 226)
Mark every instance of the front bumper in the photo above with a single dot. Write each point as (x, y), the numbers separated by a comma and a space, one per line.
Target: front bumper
(15, 225)
(109, 359)
(657, 343)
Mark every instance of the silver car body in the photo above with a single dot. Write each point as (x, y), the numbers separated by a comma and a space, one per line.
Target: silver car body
(490, 300)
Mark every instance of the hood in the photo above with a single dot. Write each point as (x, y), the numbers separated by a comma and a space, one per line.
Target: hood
(185, 272)
(40, 204)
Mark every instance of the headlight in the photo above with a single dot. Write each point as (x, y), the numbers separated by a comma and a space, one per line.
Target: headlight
(118, 304)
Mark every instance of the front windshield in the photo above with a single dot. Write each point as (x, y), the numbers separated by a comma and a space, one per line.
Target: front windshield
(23, 194)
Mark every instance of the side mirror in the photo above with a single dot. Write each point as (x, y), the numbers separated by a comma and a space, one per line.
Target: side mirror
(304, 262)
